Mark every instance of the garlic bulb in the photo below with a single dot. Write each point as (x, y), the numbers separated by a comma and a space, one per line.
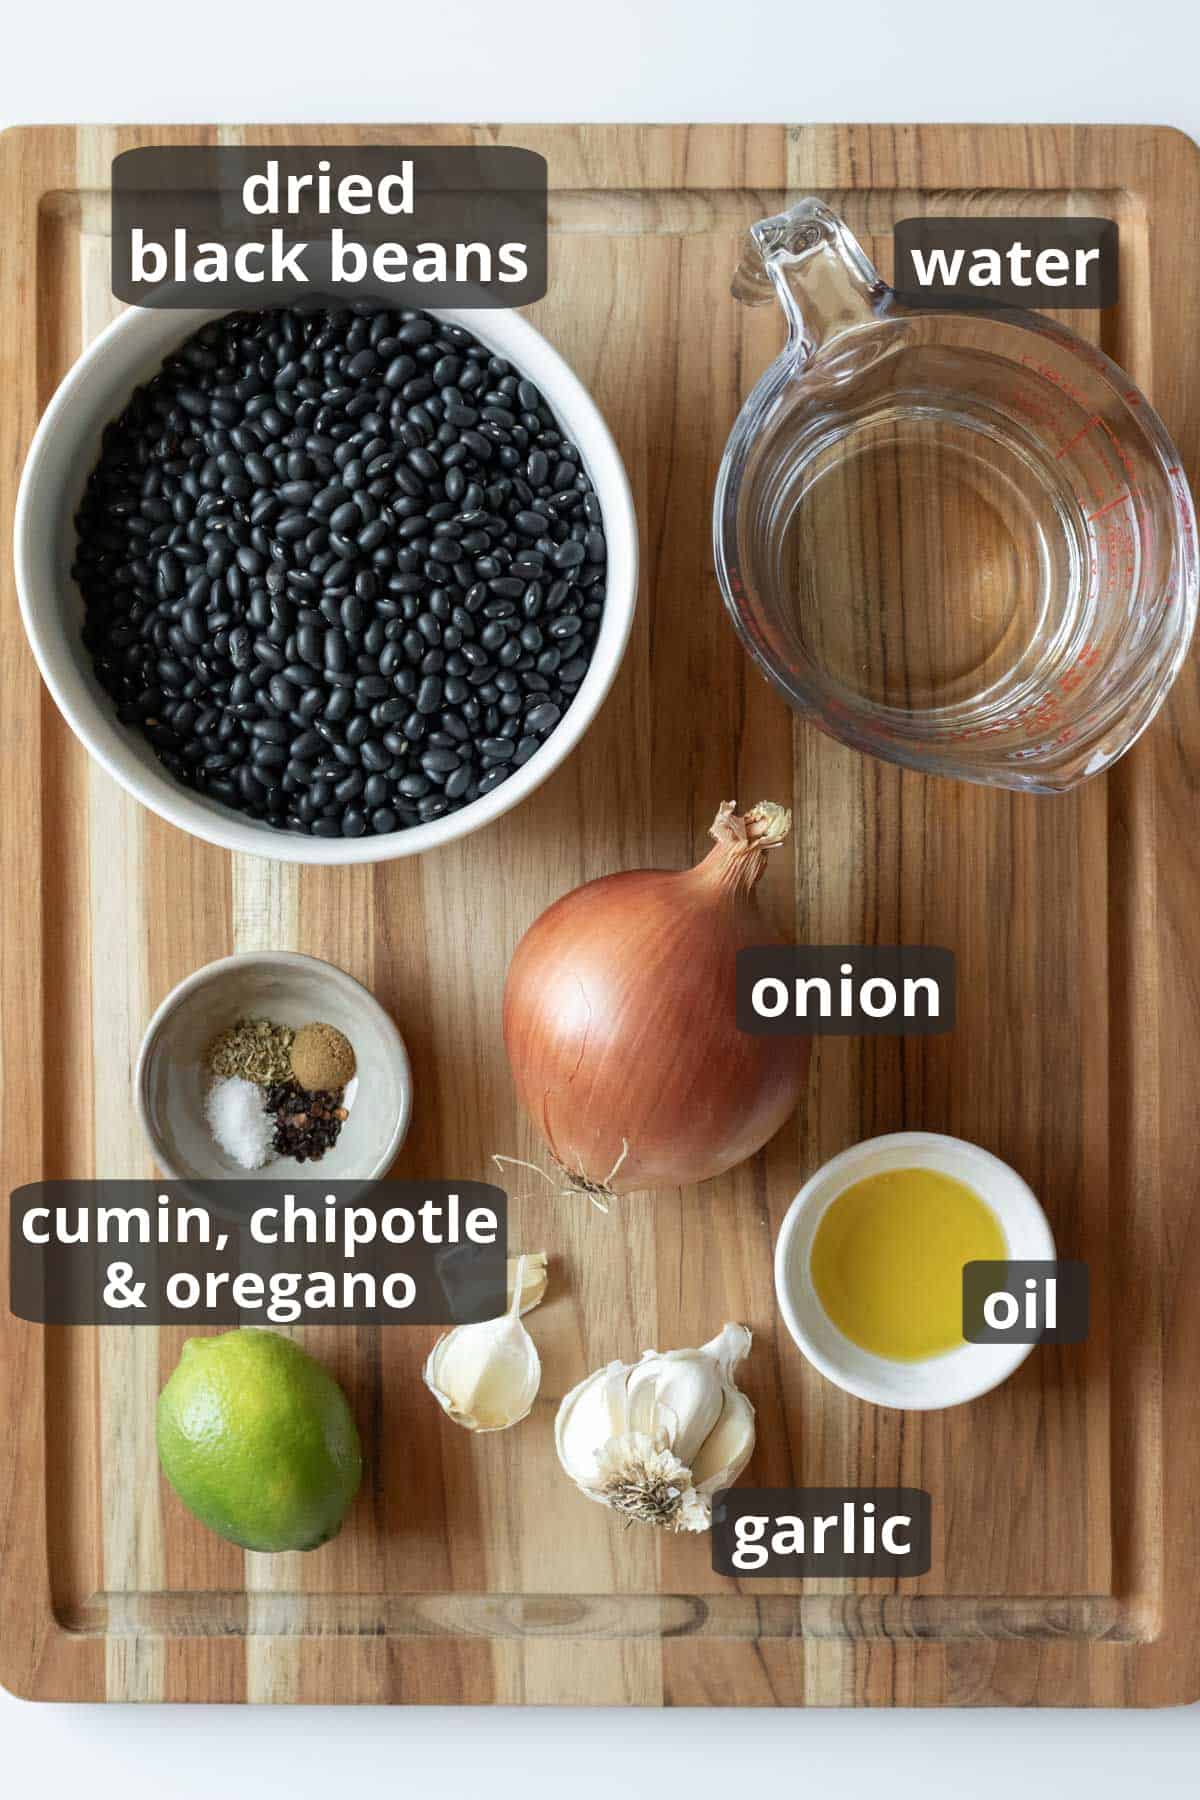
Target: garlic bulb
(486, 1376)
(657, 1438)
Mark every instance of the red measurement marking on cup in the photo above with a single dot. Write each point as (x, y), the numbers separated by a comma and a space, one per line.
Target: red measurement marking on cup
(1052, 375)
(1045, 710)
(749, 625)
(1123, 456)
(1101, 510)
(1119, 501)
(1048, 421)
(1082, 432)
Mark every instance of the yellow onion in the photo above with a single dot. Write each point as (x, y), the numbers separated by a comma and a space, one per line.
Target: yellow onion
(620, 1020)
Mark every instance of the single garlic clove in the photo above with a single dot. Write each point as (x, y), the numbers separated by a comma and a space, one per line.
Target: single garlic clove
(593, 1412)
(486, 1376)
(678, 1397)
(730, 1347)
(534, 1276)
(728, 1447)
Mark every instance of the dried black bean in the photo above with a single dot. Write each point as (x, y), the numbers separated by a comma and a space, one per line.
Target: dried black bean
(429, 694)
(543, 718)
(439, 761)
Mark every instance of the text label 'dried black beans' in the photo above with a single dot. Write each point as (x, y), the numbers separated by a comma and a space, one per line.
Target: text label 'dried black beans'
(342, 569)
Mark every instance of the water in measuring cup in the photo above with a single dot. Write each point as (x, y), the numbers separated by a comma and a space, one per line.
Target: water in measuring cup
(930, 550)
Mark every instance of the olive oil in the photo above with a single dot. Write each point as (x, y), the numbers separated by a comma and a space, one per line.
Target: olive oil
(888, 1256)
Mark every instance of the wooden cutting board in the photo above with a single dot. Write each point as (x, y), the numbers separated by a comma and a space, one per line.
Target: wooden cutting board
(1066, 1542)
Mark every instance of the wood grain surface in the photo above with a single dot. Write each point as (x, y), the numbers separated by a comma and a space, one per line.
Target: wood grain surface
(1066, 1561)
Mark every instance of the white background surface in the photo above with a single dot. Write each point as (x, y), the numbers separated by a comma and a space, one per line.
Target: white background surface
(242, 61)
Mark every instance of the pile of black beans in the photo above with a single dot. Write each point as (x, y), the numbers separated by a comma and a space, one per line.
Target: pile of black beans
(341, 567)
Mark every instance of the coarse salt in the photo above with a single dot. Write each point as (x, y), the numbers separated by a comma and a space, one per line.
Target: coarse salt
(239, 1121)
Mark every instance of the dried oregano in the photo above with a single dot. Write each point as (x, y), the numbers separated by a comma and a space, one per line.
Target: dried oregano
(255, 1050)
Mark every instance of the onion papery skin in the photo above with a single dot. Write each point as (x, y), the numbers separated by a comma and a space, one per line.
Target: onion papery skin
(620, 1021)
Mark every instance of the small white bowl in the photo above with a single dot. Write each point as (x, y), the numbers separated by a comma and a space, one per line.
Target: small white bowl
(65, 448)
(937, 1381)
(172, 1081)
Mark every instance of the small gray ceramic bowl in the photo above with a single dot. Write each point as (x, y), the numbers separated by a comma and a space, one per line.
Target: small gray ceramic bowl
(172, 1081)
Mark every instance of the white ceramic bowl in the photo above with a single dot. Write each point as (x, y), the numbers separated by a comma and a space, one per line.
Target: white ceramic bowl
(64, 451)
(172, 1081)
(938, 1381)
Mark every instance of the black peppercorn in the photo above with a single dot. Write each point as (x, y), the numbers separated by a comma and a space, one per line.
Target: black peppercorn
(306, 1124)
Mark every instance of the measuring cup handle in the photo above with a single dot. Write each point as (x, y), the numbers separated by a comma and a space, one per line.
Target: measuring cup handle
(817, 270)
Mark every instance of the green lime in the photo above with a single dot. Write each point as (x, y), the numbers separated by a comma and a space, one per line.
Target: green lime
(257, 1440)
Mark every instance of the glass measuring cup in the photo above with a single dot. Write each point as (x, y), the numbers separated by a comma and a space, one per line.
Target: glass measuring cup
(960, 540)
